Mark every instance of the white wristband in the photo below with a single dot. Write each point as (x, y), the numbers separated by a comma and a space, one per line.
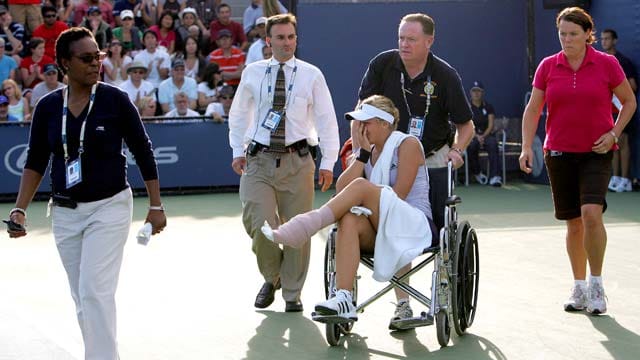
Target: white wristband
(19, 210)
(615, 138)
(157, 208)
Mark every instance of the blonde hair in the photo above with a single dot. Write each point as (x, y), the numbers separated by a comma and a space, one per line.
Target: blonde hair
(385, 104)
(17, 94)
(144, 102)
(270, 8)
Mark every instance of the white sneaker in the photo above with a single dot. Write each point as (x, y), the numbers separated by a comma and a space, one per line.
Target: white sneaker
(496, 181)
(597, 303)
(481, 178)
(578, 299)
(613, 182)
(623, 185)
(403, 314)
(340, 305)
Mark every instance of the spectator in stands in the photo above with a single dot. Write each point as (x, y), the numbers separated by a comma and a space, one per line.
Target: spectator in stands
(206, 9)
(49, 84)
(4, 111)
(49, 30)
(64, 9)
(182, 104)
(580, 137)
(31, 66)
(81, 11)
(172, 6)
(129, 35)
(483, 120)
(147, 106)
(156, 60)
(8, 65)
(224, 22)
(164, 31)
(209, 88)
(193, 59)
(101, 29)
(267, 52)
(18, 106)
(621, 179)
(116, 63)
(189, 18)
(255, 50)
(26, 12)
(229, 58)
(178, 82)
(136, 86)
(135, 6)
(219, 111)
(12, 33)
(254, 11)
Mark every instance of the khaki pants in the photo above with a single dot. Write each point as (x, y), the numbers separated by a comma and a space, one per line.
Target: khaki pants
(29, 15)
(275, 188)
(90, 241)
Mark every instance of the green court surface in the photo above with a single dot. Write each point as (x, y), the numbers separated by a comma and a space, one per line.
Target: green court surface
(189, 294)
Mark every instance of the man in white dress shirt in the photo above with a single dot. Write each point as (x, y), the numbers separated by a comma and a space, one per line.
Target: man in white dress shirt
(281, 107)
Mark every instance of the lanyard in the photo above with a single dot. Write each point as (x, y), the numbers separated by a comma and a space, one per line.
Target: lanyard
(429, 91)
(288, 90)
(65, 111)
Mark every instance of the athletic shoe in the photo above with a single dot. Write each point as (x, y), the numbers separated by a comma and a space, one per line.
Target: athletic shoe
(402, 314)
(481, 178)
(578, 299)
(496, 181)
(613, 182)
(623, 185)
(340, 305)
(597, 303)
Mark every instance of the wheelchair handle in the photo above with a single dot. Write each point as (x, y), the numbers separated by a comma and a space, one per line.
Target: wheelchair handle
(450, 185)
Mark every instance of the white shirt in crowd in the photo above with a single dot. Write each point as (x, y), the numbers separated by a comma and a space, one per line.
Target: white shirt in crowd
(146, 89)
(310, 112)
(146, 57)
(126, 60)
(41, 90)
(215, 107)
(255, 52)
(174, 113)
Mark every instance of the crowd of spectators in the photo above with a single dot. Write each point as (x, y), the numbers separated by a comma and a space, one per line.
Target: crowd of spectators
(174, 58)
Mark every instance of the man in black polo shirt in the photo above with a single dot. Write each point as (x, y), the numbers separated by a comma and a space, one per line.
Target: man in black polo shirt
(429, 94)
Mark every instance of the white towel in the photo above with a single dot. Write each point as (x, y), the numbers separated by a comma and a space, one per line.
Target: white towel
(380, 172)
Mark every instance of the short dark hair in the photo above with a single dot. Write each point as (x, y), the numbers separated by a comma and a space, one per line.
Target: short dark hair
(34, 42)
(579, 17)
(66, 38)
(165, 13)
(208, 75)
(221, 6)
(47, 9)
(614, 34)
(428, 25)
(281, 19)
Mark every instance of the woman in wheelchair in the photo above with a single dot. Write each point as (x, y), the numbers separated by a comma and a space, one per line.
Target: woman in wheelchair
(386, 213)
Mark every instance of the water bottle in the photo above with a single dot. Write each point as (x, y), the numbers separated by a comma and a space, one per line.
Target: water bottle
(144, 234)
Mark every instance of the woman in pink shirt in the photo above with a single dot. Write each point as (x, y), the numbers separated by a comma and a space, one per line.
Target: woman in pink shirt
(164, 31)
(577, 85)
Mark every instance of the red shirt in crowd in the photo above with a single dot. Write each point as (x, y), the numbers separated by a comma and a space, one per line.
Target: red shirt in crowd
(237, 32)
(50, 34)
(229, 64)
(28, 61)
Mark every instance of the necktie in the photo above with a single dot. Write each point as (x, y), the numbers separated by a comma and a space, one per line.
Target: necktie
(277, 142)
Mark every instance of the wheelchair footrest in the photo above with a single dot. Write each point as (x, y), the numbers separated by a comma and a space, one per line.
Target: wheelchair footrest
(331, 319)
(411, 323)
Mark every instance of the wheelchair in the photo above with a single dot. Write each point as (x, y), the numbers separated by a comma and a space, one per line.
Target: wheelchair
(454, 280)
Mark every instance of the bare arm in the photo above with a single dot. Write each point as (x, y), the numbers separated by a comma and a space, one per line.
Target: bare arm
(29, 184)
(411, 157)
(628, 100)
(157, 218)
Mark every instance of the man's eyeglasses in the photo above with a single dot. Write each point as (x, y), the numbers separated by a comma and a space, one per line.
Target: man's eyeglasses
(89, 58)
(50, 15)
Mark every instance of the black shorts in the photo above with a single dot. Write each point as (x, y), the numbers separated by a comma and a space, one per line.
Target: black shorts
(577, 179)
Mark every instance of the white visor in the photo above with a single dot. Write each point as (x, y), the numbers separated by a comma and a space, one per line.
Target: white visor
(368, 112)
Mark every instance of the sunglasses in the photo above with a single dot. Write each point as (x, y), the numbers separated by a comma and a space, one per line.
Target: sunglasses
(89, 58)
(50, 15)
(116, 43)
(137, 72)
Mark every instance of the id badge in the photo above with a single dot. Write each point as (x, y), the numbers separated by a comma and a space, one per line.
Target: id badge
(416, 126)
(74, 172)
(272, 120)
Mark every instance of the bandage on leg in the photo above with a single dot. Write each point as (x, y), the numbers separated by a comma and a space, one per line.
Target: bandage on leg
(297, 231)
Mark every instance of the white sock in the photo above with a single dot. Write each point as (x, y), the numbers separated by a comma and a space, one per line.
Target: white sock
(581, 283)
(595, 279)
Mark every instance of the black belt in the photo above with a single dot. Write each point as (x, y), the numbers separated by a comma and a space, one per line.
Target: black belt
(256, 147)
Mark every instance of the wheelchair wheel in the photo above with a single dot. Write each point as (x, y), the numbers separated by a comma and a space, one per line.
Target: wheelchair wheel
(465, 278)
(332, 333)
(443, 329)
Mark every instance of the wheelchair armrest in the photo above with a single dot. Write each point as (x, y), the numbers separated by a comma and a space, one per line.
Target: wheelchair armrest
(453, 200)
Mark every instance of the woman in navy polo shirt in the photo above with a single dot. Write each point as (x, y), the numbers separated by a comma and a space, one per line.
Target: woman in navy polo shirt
(84, 126)
(577, 85)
